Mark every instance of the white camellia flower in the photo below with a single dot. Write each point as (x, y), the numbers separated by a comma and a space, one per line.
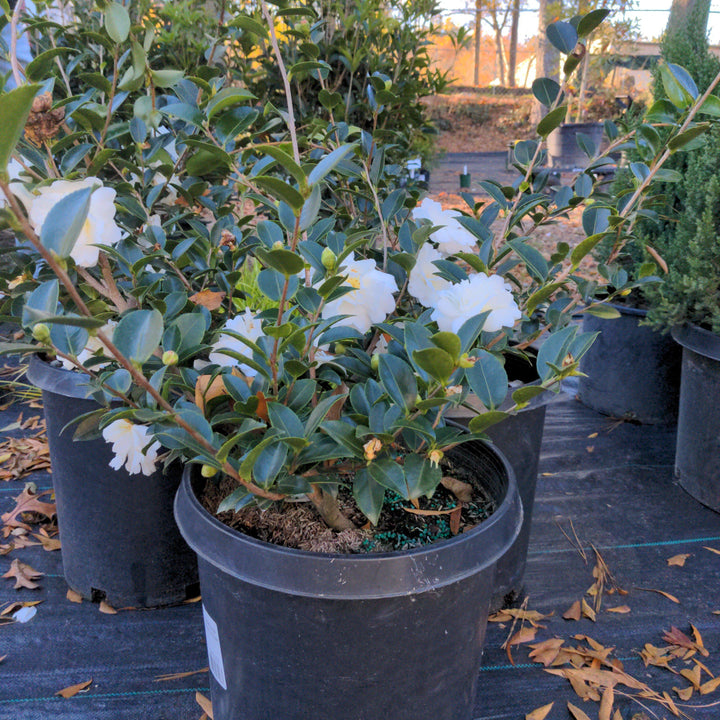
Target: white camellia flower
(371, 299)
(14, 169)
(424, 284)
(93, 347)
(452, 237)
(245, 325)
(99, 227)
(128, 441)
(478, 294)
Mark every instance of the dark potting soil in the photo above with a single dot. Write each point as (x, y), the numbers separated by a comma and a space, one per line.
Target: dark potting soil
(297, 524)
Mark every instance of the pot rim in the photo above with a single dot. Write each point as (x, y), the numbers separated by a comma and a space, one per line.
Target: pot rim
(58, 380)
(699, 340)
(349, 577)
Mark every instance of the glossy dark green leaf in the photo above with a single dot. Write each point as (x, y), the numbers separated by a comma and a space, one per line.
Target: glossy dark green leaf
(15, 107)
(65, 221)
(563, 36)
(488, 379)
(369, 495)
(553, 120)
(398, 381)
(138, 334)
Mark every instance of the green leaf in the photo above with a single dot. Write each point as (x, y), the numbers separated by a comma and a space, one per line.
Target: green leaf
(117, 22)
(546, 91)
(285, 420)
(595, 220)
(285, 261)
(711, 106)
(398, 380)
(319, 412)
(554, 350)
(249, 25)
(680, 141)
(248, 463)
(535, 263)
(553, 120)
(138, 334)
(65, 221)
(421, 476)
(449, 342)
(166, 78)
(344, 434)
(590, 21)
(606, 312)
(15, 108)
(225, 98)
(282, 191)
(307, 66)
(540, 296)
(680, 92)
(390, 475)
(329, 162)
(525, 394)
(488, 379)
(584, 247)
(563, 36)
(41, 302)
(369, 495)
(483, 421)
(68, 339)
(269, 462)
(286, 162)
(38, 68)
(435, 362)
(186, 112)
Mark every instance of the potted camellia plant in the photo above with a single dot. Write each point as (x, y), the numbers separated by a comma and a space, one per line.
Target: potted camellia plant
(297, 337)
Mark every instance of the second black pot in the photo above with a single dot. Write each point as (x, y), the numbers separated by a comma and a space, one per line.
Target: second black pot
(119, 540)
(298, 635)
(632, 371)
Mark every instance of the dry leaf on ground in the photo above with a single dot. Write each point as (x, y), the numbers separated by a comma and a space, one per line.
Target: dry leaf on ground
(574, 612)
(49, 543)
(577, 713)
(27, 502)
(620, 609)
(712, 550)
(23, 574)
(107, 609)
(73, 690)
(205, 704)
(180, 675)
(21, 456)
(660, 592)
(678, 560)
(539, 713)
(73, 596)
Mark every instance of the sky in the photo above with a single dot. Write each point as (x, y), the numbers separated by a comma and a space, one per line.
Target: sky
(651, 15)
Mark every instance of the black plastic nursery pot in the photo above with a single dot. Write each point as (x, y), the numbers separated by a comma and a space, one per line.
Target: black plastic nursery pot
(119, 540)
(563, 150)
(297, 635)
(632, 371)
(697, 455)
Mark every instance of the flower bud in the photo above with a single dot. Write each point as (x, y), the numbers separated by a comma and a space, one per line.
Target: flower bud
(371, 448)
(208, 471)
(435, 457)
(340, 349)
(41, 333)
(328, 258)
(170, 357)
(277, 245)
(375, 361)
(465, 361)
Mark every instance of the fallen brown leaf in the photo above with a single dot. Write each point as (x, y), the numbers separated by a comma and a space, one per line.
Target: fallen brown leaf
(684, 693)
(73, 596)
(73, 690)
(620, 609)
(660, 592)
(107, 609)
(180, 675)
(577, 713)
(587, 611)
(28, 502)
(678, 560)
(204, 704)
(606, 703)
(539, 713)
(574, 612)
(24, 575)
(209, 299)
(546, 651)
(461, 490)
(710, 686)
(49, 543)
(712, 550)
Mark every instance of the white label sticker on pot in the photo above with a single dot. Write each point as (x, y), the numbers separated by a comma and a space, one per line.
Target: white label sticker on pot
(213, 647)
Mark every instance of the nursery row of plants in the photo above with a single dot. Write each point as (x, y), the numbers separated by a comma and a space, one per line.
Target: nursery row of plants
(227, 266)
